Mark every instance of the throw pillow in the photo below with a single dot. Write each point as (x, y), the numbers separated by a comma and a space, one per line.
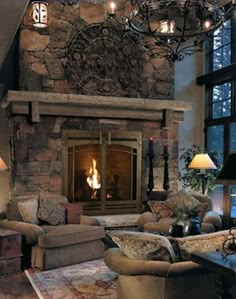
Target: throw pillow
(28, 210)
(199, 243)
(73, 212)
(144, 246)
(51, 212)
(160, 209)
(13, 212)
(182, 201)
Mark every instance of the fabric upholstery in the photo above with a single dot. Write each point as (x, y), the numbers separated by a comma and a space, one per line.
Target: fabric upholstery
(64, 235)
(48, 258)
(181, 201)
(29, 231)
(199, 243)
(143, 245)
(28, 210)
(141, 279)
(13, 212)
(51, 212)
(160, 209)
(73, 212)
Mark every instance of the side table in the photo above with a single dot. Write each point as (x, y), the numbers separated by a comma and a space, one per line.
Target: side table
(224, 266)
(10, 252)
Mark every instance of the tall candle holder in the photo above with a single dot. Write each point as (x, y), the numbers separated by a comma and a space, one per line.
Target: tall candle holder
(166, 184)
(151, 155)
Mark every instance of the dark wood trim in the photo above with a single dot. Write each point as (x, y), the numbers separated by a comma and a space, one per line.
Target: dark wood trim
(221, 76)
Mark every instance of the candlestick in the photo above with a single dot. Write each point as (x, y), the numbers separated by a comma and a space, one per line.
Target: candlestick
(151, 152)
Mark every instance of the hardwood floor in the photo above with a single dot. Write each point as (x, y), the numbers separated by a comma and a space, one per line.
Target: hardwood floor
(16, 286)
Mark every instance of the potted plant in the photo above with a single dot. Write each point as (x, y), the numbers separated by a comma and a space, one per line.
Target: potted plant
(191, 178)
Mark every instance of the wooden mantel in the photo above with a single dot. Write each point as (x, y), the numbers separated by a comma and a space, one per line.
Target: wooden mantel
(74, 105)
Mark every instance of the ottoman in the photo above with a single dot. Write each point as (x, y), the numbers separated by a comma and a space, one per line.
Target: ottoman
(68, 244)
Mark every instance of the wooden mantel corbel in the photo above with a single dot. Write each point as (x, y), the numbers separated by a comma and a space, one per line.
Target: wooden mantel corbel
(74, 105)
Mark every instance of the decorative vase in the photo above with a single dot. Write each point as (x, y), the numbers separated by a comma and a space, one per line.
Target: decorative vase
(192, 226)
(186, 225)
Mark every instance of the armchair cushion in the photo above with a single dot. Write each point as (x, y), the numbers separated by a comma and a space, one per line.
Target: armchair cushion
(145, 246)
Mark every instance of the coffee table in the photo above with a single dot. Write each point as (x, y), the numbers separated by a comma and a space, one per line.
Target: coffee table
(224, 266)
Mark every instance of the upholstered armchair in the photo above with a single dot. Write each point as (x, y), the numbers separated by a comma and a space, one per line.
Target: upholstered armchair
(154, 219)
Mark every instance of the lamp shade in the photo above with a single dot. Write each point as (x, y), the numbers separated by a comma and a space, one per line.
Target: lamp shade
(227, 175)
(3, 165)
(202, 161)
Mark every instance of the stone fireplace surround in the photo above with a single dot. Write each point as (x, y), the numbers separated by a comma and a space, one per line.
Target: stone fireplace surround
(38, 118)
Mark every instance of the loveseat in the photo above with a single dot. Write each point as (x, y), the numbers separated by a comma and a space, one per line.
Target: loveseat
(145, 270)
(162, 208)
(54, 232)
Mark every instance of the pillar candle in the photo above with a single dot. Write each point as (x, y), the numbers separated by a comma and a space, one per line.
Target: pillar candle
(165, 149)
(151, 152)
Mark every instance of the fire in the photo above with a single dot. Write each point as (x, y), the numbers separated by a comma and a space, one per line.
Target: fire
(93, 178)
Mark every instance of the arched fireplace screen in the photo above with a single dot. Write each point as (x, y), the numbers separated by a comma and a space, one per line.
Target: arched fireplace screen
(103, 170)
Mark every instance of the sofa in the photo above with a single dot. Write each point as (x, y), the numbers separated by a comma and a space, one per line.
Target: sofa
(162, 207)
(150, 273)
(54, 232)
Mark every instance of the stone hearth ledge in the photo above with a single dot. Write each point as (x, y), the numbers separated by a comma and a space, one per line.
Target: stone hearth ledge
(75, 105)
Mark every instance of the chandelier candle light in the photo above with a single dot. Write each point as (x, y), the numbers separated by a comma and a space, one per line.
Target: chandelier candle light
(175, 28)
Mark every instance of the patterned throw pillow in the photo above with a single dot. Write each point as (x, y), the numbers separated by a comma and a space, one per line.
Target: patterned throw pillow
(28, 210)
(199, 243)
(144, 246)
(181, 201)
(73, 212)
(160, 209)
(51, 212)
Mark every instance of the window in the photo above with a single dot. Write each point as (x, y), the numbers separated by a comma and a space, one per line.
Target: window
(218, 48)
(220, 117)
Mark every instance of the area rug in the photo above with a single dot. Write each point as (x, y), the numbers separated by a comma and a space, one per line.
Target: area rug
(88, 280)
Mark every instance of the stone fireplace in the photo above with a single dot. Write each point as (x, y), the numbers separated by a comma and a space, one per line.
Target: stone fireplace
(89, 100)
(93, 149)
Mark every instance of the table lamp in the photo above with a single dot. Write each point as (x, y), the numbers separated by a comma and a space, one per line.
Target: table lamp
(202, 162)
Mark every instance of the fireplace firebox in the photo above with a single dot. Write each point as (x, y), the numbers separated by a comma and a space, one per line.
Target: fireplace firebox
(102, 170)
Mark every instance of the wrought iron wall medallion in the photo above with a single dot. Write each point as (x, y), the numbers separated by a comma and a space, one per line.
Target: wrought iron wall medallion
(102, 59)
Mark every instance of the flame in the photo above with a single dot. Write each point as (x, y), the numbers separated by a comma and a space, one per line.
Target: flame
(93, 178)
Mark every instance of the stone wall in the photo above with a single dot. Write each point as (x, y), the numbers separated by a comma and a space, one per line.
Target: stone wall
(83, 52)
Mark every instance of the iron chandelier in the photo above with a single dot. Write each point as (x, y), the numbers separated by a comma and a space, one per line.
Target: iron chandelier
(175, 29)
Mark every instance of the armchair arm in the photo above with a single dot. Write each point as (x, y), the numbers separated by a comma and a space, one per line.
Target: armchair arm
(28, 230)
(88, 220)
(146, 217)
(213, 218)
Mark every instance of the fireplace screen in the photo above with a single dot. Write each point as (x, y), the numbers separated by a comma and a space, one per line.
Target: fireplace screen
(103, 170)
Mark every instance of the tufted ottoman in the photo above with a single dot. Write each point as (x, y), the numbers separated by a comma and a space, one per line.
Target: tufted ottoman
(63, 245)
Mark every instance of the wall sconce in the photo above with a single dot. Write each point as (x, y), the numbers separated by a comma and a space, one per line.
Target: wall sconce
(3, 165)
(40, 14)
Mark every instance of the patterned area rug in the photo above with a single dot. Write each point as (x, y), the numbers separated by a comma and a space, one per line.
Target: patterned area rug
(89, 280)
